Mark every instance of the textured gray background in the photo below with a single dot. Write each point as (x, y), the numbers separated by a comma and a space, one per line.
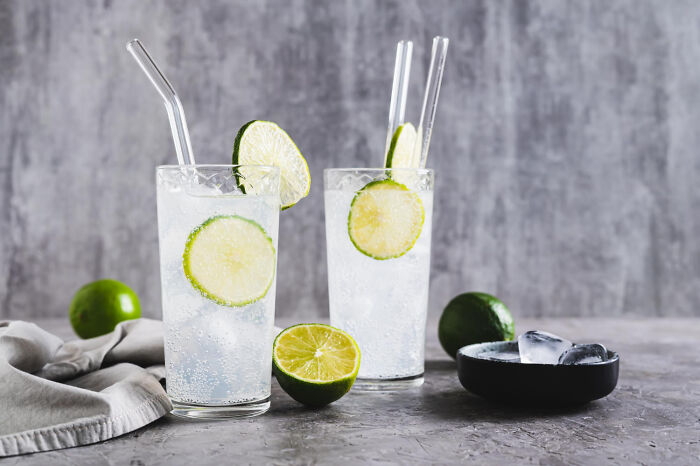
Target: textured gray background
(566, 141)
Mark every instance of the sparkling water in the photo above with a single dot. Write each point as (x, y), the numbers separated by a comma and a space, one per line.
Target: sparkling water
(381, 303)
(214, 355)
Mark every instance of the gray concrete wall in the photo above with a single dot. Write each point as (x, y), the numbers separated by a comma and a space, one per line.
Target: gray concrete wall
(566, 142)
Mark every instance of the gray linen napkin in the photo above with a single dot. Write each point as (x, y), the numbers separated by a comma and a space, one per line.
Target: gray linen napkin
(57, 395)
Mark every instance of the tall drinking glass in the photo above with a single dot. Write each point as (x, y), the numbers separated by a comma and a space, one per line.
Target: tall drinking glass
(217, 230)
(378, 229)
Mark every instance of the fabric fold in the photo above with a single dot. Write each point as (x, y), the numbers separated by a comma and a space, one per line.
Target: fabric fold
(57, 395)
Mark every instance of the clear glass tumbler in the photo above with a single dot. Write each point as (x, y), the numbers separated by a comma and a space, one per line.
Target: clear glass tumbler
(217, 231)
(378, 250)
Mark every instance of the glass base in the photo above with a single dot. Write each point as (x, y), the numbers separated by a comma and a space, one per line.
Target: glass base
(195, 411)
(388, 385)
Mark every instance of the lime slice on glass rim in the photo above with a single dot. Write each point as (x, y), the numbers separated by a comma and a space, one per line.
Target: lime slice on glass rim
(402, 153)
(230, 260)
(315, 364)
(385, 219)
(265, 143)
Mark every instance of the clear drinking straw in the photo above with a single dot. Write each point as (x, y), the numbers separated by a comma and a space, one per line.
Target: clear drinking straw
(176, 114)
(399, 89)
(430, 99)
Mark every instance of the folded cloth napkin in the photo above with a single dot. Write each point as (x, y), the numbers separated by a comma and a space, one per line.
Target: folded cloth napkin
(57, 395)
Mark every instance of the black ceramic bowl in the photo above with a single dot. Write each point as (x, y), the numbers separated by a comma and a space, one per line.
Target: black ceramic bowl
(534, 384)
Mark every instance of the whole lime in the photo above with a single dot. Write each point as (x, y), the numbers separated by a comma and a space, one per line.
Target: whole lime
(474, 318)
(99, 306)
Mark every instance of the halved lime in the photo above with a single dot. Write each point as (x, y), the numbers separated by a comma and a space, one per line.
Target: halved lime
(230, 260)
(265, 143)
(400, 153)
(385, 219)
(315, 364)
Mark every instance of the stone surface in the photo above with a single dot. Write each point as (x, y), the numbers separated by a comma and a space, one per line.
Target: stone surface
(565, 142)
(653, 416)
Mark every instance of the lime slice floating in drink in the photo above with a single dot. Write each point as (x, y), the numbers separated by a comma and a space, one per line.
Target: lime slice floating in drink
(385, 219)
(315, 364)
(265, 143)
(230, 260)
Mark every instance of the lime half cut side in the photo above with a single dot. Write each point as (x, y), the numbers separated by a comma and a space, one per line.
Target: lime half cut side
(230, 260)
(265, 143)
(315, 364)
(385, 219)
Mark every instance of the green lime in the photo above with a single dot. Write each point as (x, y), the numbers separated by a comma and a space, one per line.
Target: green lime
(474, 318)
(315, 364)
(385, 219)
(230, 260)
(99, 306)
(265, 143)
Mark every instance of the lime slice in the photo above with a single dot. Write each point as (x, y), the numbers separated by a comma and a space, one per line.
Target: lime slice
(385, 219)
(264, 143)
(315, 364)
(230, 260)
(400, 153)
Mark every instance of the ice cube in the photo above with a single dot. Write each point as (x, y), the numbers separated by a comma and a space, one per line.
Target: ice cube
(584, 354)
(510, 356)
(537, 347)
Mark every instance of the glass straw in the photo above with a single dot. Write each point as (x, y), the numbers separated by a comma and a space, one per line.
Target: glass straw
(399, 89)
(430, 99)
(176, 114)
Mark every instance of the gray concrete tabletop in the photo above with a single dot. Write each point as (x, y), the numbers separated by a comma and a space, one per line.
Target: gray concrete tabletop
(652, 417)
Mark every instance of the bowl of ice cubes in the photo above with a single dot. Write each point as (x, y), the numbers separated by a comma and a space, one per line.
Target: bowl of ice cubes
(539, 369)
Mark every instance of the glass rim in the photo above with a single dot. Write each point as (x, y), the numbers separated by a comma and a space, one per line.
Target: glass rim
(424, 171)
(220, 166)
